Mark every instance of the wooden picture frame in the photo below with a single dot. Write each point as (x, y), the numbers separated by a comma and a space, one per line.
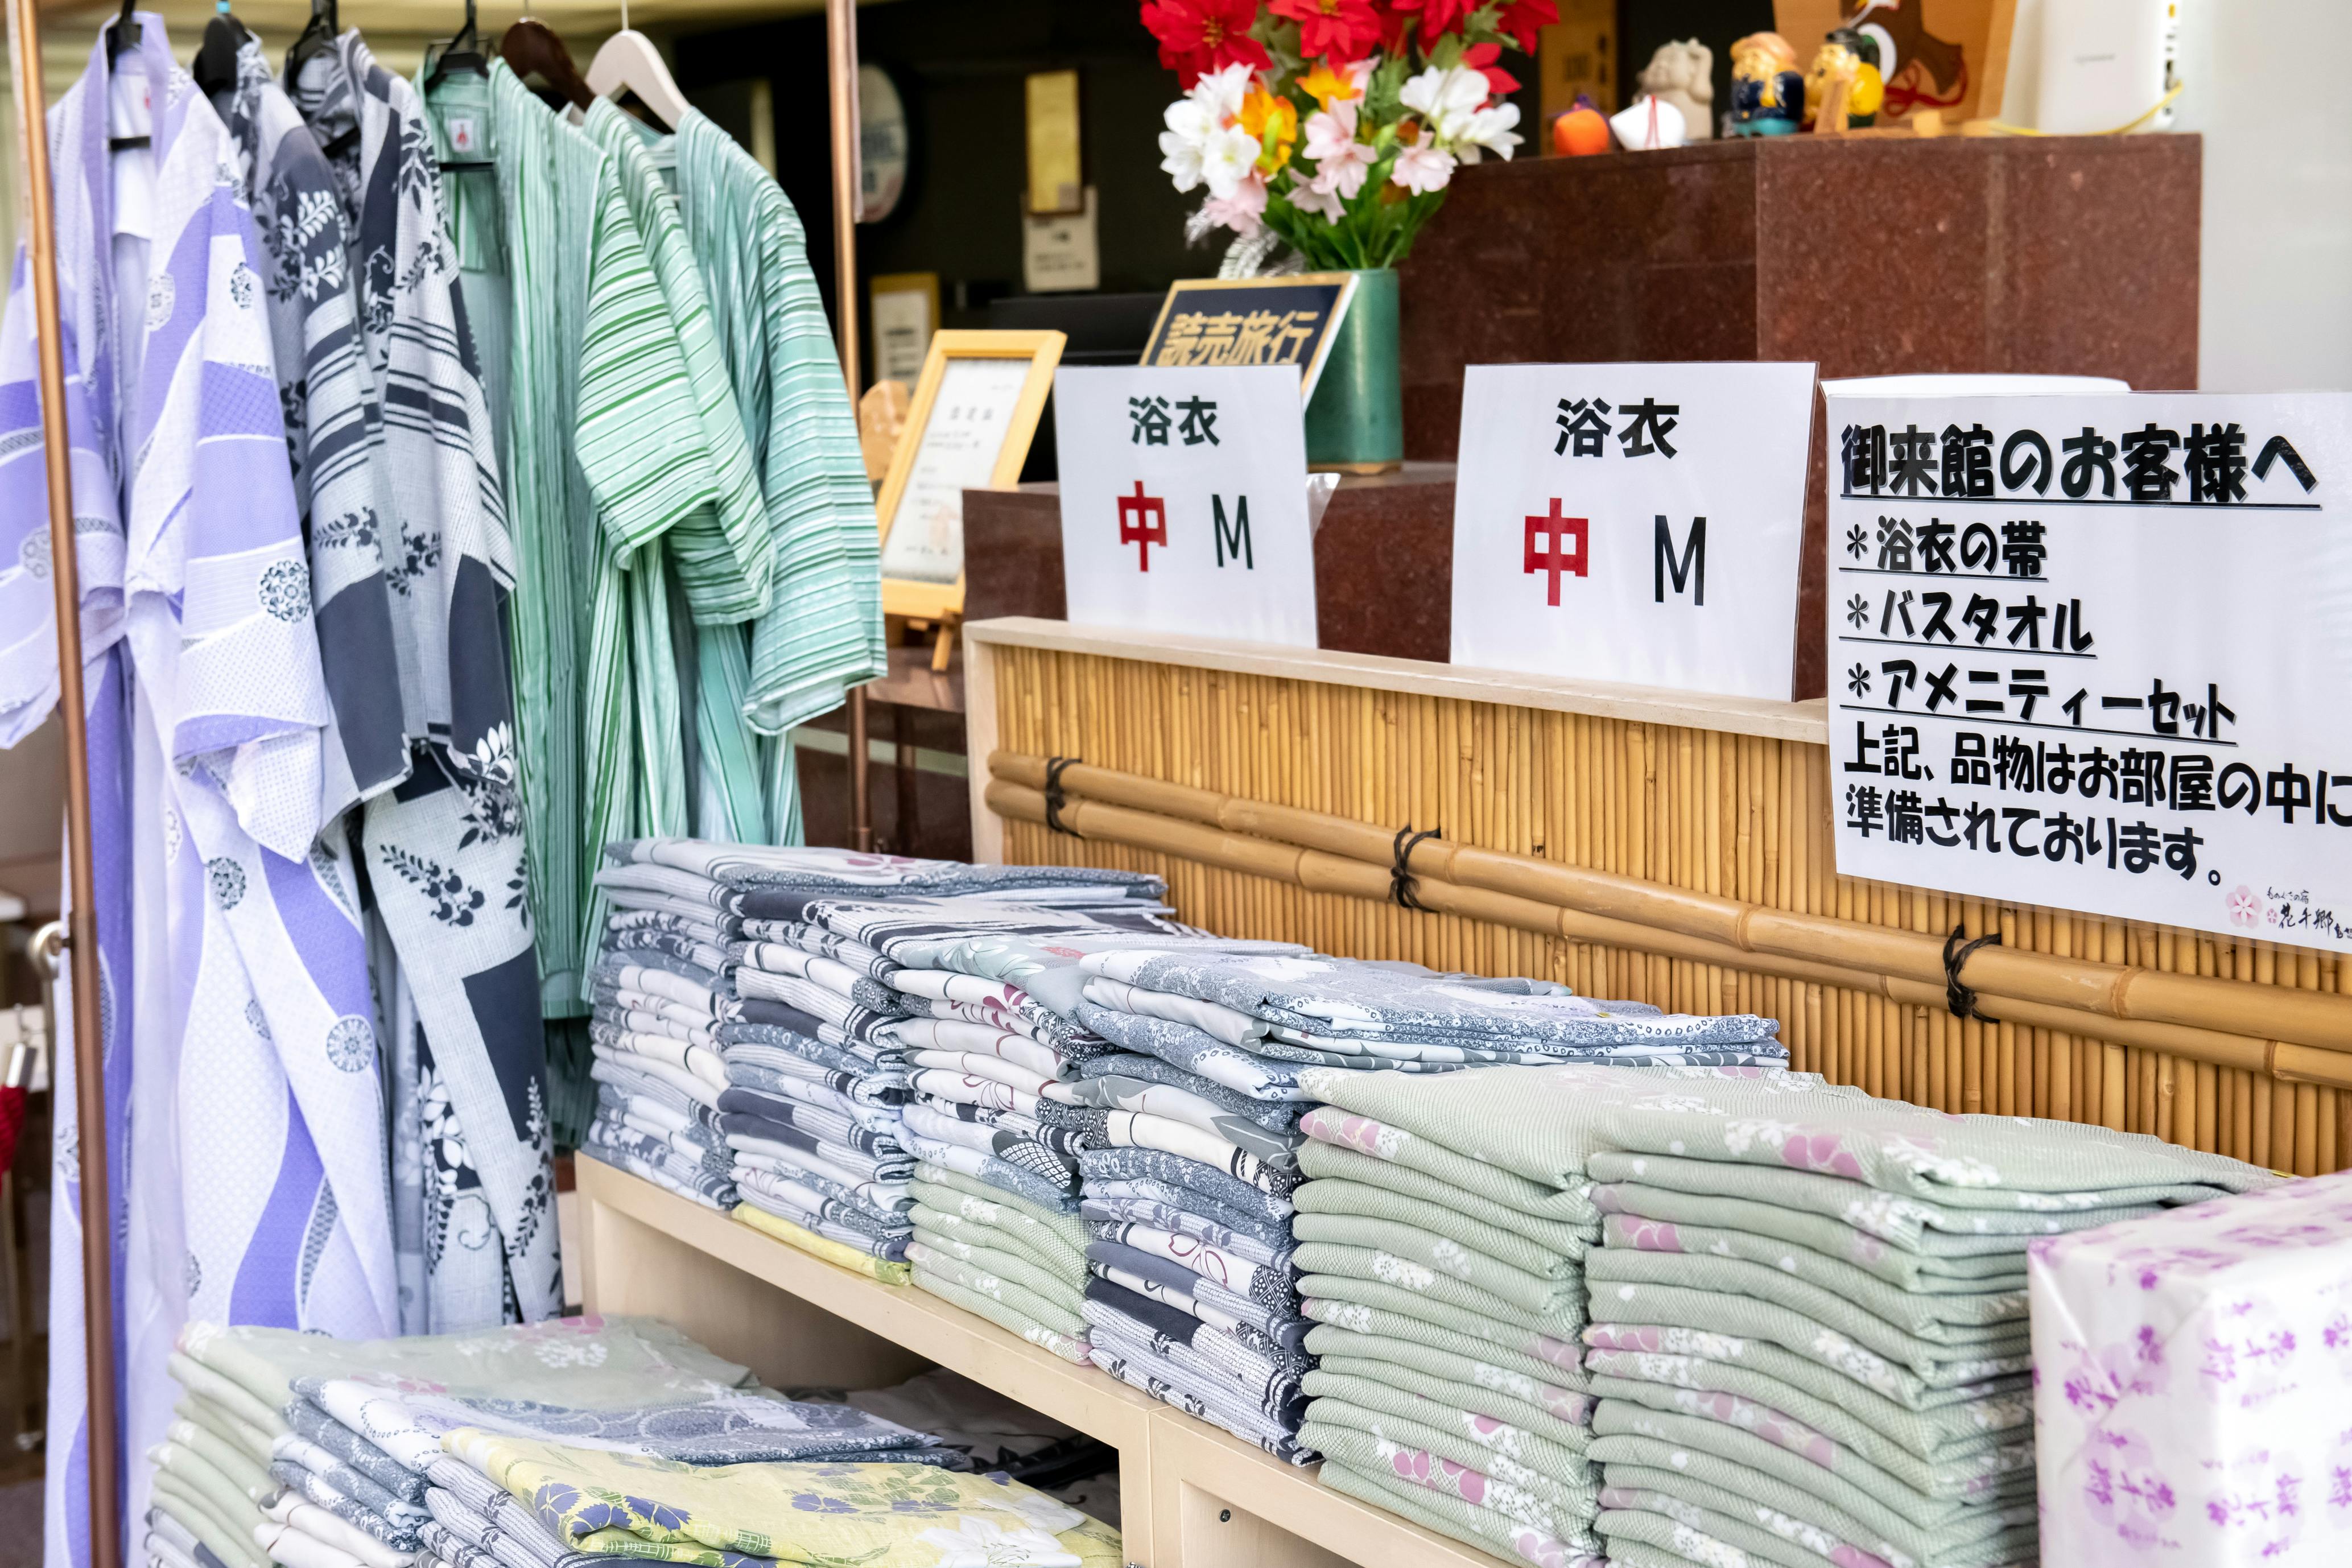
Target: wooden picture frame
(923, 599)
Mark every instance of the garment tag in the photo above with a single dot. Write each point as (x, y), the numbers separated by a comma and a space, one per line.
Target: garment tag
(463, 137)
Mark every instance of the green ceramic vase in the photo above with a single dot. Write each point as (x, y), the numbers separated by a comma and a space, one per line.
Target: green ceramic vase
(1355, 422)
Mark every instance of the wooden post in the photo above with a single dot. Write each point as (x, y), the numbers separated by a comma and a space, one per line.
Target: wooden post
(81, 938)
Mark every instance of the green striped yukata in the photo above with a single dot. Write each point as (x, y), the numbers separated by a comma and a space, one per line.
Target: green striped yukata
(722, 555)
(824, 631)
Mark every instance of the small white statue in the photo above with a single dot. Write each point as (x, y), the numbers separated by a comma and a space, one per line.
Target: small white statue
(1684, 75)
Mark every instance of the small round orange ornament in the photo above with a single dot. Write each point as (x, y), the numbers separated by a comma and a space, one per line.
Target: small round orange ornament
(1581, 131)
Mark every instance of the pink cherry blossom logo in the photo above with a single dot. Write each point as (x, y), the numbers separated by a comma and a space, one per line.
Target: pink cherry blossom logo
(2245, 909)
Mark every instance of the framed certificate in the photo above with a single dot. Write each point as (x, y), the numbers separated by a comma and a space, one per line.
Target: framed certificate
(974, 413)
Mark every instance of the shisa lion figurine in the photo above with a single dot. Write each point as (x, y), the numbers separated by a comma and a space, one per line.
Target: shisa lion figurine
(1767, 92)
(1684, 75)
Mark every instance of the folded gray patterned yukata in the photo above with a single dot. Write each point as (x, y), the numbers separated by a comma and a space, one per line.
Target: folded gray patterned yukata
(1101, 1210)
(1154, 1202)
(1132, 1359)
(1171, 1170)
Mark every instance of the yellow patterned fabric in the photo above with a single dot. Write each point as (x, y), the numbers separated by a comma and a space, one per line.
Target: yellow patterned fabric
(832, 1252)
(871, 1516)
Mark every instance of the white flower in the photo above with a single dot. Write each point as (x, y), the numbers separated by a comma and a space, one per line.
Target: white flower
(1423, 169)
(1199, 140)
(1490, 130)
(1229, 159)
(978, 1542)
(1447, 98)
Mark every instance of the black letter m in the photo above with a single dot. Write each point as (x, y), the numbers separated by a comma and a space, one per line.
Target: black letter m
(1237, 537)
(1690, 572)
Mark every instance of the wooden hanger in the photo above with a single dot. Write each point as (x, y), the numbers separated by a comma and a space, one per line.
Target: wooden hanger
(629, 63)
(530, 46)
(216, 64)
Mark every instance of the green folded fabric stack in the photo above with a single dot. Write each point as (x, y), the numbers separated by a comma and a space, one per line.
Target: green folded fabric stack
(1447, 1295)
(1020, 1265)
(1808, 1339)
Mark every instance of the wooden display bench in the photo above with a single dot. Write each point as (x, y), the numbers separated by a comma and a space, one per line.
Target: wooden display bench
(1190, 1495)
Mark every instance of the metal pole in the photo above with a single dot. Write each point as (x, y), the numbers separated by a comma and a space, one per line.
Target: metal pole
(841, 64)
(81, 940)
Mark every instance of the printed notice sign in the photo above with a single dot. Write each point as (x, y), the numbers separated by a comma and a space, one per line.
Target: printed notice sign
(2096, 653)
(1632, 522)
(1184, 501)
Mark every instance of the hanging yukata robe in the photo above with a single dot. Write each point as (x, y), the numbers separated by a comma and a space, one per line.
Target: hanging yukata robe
(253, 1151)
(824, 631)
(599, 382)
(722, 555)
(335, 426)
(473, 1151)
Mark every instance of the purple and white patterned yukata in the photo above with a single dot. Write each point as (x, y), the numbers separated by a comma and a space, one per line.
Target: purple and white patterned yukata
(244, 1115)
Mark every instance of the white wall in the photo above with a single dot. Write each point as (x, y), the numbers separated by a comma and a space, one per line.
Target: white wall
(2262, 84)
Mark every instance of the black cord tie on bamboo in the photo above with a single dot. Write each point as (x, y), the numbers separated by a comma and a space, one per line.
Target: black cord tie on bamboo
(1960, 998)
(1055, 799)
(1403, 883)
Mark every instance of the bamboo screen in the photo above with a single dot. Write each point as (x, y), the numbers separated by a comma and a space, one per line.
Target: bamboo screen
(1731, 814)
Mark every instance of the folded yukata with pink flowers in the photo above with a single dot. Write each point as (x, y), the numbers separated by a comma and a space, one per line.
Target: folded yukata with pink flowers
(1808, 1332)
(2194, 1375)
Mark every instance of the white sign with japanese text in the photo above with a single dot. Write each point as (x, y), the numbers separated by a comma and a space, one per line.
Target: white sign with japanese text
(1632, 522)
(2095, 653)
(1184, 501)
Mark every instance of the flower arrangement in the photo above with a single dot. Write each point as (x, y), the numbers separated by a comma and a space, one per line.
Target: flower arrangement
(1336, 123)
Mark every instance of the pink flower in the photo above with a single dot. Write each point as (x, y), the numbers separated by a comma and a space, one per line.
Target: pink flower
(1242, 211)
(1423, 169)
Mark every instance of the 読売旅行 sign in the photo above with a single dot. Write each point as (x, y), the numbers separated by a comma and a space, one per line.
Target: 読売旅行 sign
(2096, 653)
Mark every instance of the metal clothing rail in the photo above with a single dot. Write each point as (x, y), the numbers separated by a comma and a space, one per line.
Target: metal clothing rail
(40, 228)
(81, 931)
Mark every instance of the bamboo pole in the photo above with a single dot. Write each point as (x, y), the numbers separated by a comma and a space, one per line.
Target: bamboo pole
(81, 940)
(1319, 872)
(2069, 988)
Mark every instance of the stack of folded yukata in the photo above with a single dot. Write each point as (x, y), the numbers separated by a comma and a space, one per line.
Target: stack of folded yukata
(993, 1114)
(815, 1088)
(1805, 1330)
(1195, 1198)
(657, 988)
(347, 1428)
(1810, 1317)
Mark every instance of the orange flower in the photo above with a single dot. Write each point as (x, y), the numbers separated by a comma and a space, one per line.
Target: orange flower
(1328, 87)
(1273, 120)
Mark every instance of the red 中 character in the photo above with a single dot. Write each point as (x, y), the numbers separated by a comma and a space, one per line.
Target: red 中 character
(1143, 523)
(1554, 556)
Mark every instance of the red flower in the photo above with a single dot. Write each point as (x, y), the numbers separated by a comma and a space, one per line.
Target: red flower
(1438, 16)
(1198, 36)
(1520, 19)
(1481, 57)
(1342, 30)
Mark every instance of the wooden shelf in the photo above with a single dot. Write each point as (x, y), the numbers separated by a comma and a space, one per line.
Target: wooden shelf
(1190, 1495)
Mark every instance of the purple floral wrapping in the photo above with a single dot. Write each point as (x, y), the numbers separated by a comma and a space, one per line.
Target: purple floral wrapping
(2193, 1383)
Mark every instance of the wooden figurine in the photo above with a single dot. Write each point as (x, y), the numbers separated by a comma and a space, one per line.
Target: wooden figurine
(1684, 75)
(1767, 92)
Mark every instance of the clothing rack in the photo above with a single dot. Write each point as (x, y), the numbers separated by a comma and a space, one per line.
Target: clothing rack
(80, 942)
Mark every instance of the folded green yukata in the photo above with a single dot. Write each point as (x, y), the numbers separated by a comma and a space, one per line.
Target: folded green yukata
(1329, 1260)
(1362, 1380)
(1536, 1293)
(1368, 1208)
(1470, 1523)
(1434, 1205)
(1372, 1308)
(1490, 1480)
